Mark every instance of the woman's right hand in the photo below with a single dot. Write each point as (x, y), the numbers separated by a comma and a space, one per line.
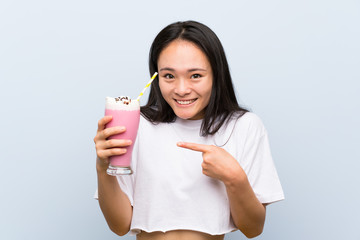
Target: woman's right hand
(105, 147)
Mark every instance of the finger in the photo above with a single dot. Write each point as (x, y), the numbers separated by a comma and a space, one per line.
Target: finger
(112, 131)
(105, 154)
(194, 146)
(115, 143)
(103, 121)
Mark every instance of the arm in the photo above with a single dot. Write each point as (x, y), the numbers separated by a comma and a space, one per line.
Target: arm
(246, 210)
(114, 203)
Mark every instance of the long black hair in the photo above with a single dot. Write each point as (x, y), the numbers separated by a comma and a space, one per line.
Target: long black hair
(222, 104)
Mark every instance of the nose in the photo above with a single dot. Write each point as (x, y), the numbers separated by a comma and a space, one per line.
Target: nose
(182, 87)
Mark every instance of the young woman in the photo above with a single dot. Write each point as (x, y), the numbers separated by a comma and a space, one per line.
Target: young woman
(202, 164)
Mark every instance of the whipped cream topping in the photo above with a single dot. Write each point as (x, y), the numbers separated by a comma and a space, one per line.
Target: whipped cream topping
(121, 103)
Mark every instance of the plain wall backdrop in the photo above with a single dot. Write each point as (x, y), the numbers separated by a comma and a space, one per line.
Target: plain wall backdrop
(294, 63)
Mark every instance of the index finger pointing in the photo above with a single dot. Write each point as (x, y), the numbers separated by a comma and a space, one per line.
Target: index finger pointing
(194, 146)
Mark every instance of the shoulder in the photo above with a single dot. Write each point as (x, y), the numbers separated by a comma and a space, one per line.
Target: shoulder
(252, 120)
(249, 119)
(250, 123)
(146, 125)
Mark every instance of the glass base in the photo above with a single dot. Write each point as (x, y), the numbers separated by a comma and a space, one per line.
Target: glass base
(117, 170)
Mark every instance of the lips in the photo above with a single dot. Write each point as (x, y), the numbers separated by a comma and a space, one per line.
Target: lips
(185, 102)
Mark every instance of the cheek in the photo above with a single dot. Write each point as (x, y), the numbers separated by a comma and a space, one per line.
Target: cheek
(161, 86)
(207, 91)
(164, 90)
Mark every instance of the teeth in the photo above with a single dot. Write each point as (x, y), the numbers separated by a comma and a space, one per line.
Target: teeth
(185, 102)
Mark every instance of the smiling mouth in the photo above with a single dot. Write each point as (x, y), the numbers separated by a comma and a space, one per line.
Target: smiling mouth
(185, 102)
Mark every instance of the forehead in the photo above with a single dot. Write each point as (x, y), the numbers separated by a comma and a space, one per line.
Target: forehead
(183, 54)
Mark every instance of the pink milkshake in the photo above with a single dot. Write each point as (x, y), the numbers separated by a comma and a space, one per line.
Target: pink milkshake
(125, 112)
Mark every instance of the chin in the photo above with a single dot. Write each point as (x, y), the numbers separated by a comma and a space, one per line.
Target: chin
(184, 116)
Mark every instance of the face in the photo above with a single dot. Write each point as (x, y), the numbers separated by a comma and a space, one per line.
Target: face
(185, 79)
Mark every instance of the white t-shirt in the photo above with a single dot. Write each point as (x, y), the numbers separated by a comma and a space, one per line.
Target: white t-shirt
(168, 190)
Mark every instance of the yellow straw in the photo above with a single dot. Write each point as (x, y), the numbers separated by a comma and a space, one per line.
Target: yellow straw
(147, 85)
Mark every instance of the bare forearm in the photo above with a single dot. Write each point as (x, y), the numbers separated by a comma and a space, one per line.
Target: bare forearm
(246, 210)
(114, 204)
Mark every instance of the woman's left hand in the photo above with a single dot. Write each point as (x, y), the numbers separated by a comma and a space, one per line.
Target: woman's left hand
(217, 162)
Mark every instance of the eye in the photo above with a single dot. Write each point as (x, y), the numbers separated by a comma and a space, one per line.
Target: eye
(194, 76)
(168, 76)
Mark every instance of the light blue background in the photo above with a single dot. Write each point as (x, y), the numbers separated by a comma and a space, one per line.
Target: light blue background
(294, 63)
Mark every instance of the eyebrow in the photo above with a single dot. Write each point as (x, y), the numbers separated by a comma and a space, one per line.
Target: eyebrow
(190, 70)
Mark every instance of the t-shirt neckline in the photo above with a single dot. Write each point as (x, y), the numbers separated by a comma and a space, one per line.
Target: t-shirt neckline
(194, 124)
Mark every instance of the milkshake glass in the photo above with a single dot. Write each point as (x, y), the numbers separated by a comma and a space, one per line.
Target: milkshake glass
(124, 112)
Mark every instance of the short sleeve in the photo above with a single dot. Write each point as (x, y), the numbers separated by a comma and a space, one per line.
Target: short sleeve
(126, 185)
(259, 166)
